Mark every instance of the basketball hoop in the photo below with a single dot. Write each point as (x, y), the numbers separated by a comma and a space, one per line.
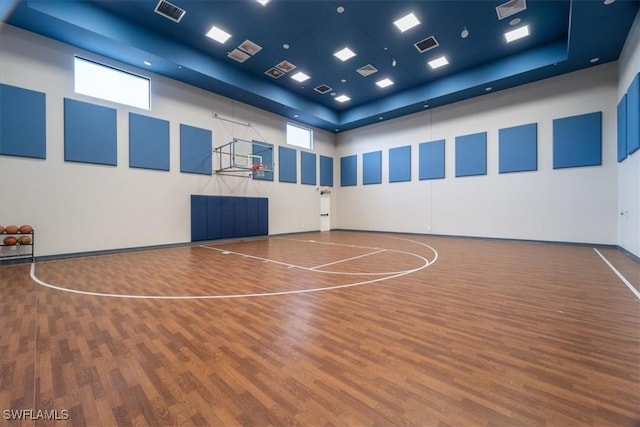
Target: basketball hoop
(259, 169)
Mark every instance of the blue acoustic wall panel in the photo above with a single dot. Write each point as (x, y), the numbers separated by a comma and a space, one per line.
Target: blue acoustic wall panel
(471, 154)
(265, 151)
(148, 142)
(308, 168)
(217, 217)
(577, 141)
(633, 115)
(22, 122)
(288, 172)
(326, 171)
(89, 133)
(622, 129)
(195, 150)
(518, 148)
(400, 164)
(348, 171)
(431, 159)
(372, 168)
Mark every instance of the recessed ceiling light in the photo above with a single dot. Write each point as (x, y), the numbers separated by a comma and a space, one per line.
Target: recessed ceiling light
(608, 2)
(296, 115)
(516, 34)
(465, 33)
(406, 22)
(384, 82)
(344, 54)
(218, 35)
(488, 88)
(594, 60)
(515, 21)
(147, 63)
(343, 98)
(286, 46)
(343, 80)
(380, 118)
(438, 62)
(300, 76)
(263, 2)
(340, 9)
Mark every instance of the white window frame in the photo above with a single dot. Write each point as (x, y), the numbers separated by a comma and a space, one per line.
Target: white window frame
(105, 82)
(298, 140)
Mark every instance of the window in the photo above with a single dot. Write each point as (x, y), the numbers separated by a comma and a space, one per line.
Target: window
(299, 136)
(111, 84)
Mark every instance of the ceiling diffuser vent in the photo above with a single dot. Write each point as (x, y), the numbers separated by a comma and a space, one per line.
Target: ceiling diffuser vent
(274, 72)
(285, 66)
(322, 89)
(250, 47)
(511, 7)
(426, 44)
(238, 55)
(169, 11)
(367, 70)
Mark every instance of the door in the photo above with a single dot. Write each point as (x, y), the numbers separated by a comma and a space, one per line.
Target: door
(325, 210)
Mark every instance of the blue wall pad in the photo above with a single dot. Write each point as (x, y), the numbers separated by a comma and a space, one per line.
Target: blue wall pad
(89, 133)
(400, 164)
(308, 168)
(348, 171)
(288, 172)
(518, 148)
(622, 128)
(431, 159)
(259, 149)
(148, 142)
(195, 150)
(471, 154)
(633, 116)
(223, 217)
(372, 168)
(22, 122)
(577, 141)
(326, 171)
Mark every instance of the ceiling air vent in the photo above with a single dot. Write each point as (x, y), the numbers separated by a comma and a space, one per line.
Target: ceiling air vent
(274, 72)
(367, 70)
(238, 55)
(250, 47)
(169, 11)
(511, 7)
(322, 89)
(285, 66)
(426, 44)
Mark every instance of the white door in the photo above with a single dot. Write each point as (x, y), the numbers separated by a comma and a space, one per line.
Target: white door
(325, 209)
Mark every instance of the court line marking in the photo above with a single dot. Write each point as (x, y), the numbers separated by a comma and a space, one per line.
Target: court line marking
(33, 276)
(624, 279)
(302, 267)
(346, 259)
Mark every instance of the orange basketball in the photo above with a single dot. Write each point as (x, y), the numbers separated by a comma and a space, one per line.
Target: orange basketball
(1, 229)
(10, 241)
(24, 240)
(11, 229)
(25, 229)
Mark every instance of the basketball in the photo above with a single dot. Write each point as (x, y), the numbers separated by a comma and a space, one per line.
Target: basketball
(11, 229)
(24, 240)
(10, 241)
(1, 229)
(25, 229)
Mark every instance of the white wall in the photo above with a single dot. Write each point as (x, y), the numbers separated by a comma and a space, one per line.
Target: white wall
(80, 207)
(574, 205)
(629, 169)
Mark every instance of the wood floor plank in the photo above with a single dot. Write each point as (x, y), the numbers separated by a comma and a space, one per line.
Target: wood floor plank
(494, 333)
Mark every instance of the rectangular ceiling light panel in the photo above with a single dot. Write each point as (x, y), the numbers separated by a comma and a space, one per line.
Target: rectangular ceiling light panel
(344, 54)
(517, 34)
(406, 22)
(218, 34)
(438, 62)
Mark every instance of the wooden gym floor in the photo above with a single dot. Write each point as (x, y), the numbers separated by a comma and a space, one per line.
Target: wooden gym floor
(416, 331)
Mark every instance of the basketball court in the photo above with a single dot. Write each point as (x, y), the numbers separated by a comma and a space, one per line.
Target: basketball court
(337, 328)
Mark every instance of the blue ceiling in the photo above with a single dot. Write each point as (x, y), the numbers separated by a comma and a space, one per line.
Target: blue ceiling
(565, 36)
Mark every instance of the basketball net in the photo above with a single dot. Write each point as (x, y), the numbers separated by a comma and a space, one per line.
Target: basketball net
(259, 169)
